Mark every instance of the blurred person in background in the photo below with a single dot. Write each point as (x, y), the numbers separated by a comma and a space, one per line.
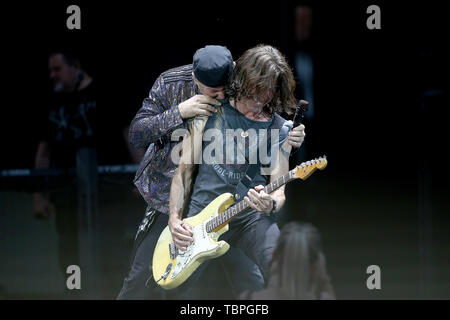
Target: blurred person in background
(75, 117)
(298, 267)
(69, 124)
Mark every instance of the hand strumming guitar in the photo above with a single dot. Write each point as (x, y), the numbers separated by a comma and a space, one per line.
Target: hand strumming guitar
(181, 232)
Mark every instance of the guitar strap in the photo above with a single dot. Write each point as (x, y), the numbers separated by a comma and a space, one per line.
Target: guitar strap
(247, 181)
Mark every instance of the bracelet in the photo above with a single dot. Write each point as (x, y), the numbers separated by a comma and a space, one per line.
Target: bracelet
(274, 206)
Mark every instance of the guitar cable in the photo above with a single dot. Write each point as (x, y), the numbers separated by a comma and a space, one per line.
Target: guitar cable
(165, 274)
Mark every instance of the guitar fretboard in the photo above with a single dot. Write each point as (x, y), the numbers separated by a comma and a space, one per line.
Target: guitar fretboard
(241, 206)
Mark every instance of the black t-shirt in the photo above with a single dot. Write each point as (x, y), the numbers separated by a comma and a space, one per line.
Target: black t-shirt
(71, 123)
(220, 173)
(81, 119)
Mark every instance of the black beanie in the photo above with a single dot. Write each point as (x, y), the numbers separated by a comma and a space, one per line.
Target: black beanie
(213, 65)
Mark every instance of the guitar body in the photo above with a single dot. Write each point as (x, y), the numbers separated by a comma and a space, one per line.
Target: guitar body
(205, 246)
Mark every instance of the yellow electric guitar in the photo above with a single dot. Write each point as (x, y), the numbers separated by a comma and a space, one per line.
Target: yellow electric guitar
(171, 267)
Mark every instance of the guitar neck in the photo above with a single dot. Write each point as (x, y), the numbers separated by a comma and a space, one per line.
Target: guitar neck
(241, 206)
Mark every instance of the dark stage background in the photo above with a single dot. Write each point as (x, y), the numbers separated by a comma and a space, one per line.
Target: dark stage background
(379, 116)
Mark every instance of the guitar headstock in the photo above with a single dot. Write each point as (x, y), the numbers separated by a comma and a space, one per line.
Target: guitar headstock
(305, 169)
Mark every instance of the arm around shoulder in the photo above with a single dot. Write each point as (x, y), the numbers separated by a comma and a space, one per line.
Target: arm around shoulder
(156, 118)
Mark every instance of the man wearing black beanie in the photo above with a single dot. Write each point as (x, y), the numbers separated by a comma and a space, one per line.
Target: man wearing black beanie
(178, 96)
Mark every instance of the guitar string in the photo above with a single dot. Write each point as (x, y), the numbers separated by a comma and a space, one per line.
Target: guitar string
(231, 212)
(236, 208)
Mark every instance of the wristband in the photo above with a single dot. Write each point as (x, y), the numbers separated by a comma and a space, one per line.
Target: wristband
(274, 206)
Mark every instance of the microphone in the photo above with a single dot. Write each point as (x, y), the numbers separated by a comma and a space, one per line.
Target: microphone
(302, 107)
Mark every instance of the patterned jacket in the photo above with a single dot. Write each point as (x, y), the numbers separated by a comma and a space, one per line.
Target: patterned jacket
(151, 128)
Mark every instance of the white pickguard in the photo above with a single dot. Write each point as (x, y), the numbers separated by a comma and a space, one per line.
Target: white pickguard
(202, 243)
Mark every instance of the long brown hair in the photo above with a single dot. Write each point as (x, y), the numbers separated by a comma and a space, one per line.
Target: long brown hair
(297, 249)
(260, 70)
